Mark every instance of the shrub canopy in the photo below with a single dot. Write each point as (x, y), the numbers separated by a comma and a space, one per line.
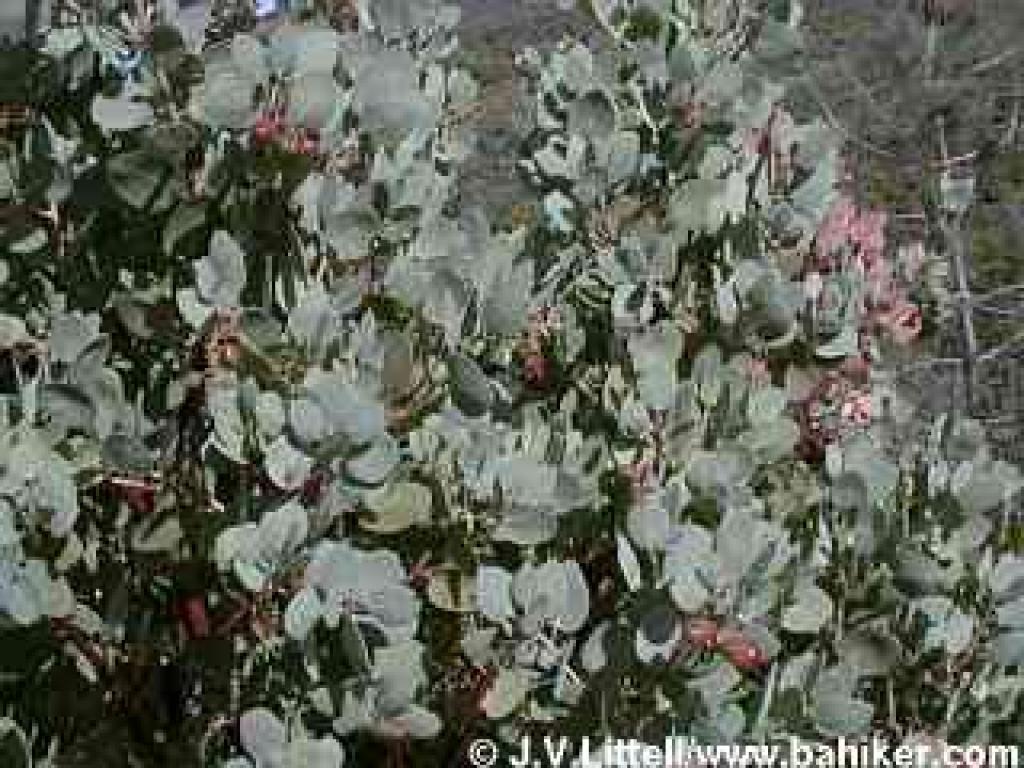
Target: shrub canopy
(303, 454)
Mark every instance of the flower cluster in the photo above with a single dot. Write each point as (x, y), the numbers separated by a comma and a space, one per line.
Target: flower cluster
(376, 469)
(852, 239)
(271, 129)
(849, 268)
(708, 635)
(535, 349)
(839, 403)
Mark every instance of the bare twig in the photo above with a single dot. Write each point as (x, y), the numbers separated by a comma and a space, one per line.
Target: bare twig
(952, 162)
(928, 60)
(1010, 136)
(869, 97)
(955, 240)
(917, 365)
(998, 292)
(1002, 349)
(830, 117)
(988, 309)
(994, 61)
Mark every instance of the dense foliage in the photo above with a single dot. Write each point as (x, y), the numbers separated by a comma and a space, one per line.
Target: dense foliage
(303, 456)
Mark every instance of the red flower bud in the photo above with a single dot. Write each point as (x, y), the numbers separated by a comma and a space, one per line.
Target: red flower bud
(313, 489)
(702, 633)
(536, 370)
(741, 651)
(266, 130)
(192, 611)
(138, 494)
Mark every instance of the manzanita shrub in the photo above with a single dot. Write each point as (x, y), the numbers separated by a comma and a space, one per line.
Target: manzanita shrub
(306, 461)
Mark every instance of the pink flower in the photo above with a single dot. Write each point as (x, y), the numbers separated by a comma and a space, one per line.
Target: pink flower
(856, 410)
(903, 322)
(868, 230)
(702, 633)
(836, 229)
(869, 260)
(266, 129)
(741, 650)
(844, 225)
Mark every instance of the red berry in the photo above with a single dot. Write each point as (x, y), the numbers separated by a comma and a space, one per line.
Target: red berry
(702, 633)
(764, 143)
(741, 651)
(266, 130)
(313, 489)
(536, 370)
(192, 611)
(484, 679)
(140, 495)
